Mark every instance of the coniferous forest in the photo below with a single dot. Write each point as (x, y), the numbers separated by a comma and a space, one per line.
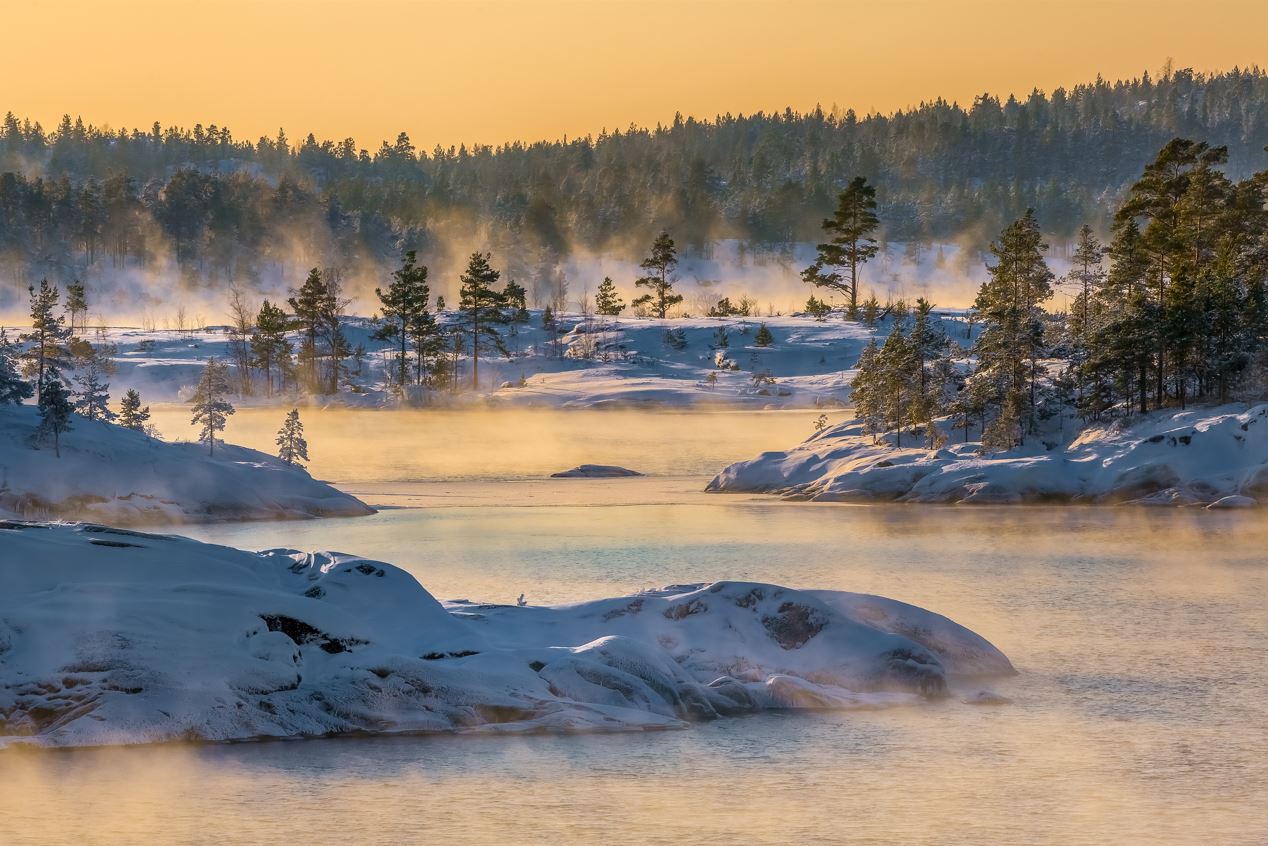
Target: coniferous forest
(79, 198)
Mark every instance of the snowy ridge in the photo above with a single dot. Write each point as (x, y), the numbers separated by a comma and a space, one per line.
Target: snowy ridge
(113, 637)
(117, 475)
(1195, 457)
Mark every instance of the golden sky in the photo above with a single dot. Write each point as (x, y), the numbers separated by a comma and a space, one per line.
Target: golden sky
(492, 70)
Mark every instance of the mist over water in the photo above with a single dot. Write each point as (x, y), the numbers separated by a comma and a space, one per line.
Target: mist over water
(1139, 715)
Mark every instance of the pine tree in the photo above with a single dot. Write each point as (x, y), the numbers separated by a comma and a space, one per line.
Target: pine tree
(871, 312)
(763, 338)
(660, 266)
(816, 308)
(850, 244)
(55, 411)
(211, 406)
(481, 309)
(606, 301)
(405, 314)
(13, 388)
(131, 414)
(92, 399)
(291, 446)
(47, 354)
(269, 347)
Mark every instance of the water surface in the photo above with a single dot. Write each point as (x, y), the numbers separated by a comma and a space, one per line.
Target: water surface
(1140, 714)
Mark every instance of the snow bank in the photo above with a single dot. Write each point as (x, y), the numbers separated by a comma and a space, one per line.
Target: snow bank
(109, 636)
(118, 475)
(595, 471)
(1192, 457)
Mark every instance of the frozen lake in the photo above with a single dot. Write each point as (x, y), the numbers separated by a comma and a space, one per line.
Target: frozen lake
(1140, 714)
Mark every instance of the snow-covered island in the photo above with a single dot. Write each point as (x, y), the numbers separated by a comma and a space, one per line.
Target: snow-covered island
(1205, 456)
(109, 636)
(114, 474)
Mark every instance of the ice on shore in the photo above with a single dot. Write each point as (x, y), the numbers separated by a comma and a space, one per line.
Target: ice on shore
(111, 636)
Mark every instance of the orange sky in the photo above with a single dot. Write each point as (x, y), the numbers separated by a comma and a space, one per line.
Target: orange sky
(491, 70)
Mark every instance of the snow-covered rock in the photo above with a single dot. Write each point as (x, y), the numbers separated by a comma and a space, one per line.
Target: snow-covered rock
(111, 636)
(117, 475)
(1234, 501)
(1191, 457)
(595, 471)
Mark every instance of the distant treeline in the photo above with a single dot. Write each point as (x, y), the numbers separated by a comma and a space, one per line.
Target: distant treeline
(81, 199)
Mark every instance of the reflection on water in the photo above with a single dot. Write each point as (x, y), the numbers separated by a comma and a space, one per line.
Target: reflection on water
(1140, 715)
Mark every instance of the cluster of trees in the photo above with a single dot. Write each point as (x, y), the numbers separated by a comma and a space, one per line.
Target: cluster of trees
(225, 208)
(1179, 315)
(910, 379)
(51, 349)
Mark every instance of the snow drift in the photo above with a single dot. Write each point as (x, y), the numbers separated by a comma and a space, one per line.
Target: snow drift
(109, 636)
(1195, 457)
(113, 474)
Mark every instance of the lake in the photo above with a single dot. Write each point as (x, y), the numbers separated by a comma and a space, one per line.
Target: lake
(1139, 715)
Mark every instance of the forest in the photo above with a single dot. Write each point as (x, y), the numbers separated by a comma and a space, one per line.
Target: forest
(80, 200)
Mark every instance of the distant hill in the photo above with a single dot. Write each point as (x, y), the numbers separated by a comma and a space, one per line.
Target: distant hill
(80, 199)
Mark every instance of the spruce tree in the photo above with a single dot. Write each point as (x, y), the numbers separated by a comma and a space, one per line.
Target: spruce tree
(1009, 308)
(270, 349)
(47, 353)
(211, 405)
(607, 301)
(481, 310)
(92, 396)
(660, 267)
(763, 338)
(898, 381)
(77, 306)
(13, 388)
(55, 411)
(131, 414)
(850, 244)
(313, 305)
(867, 391)
(291, 446)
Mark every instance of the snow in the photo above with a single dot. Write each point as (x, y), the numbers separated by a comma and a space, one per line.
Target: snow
(1191, 457)
(115, 637)
(595, 471)
(118, 475)
(596, 362)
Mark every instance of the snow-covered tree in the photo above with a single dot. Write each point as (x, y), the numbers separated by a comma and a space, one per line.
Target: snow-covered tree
(211, 408)
(55, 412)
(291, 446)
(131, 414)
(13, 388)
(92, 395)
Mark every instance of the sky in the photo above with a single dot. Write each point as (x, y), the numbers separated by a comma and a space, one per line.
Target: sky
(488, 71)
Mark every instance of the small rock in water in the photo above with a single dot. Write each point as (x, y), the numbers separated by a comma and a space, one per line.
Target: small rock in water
(595, 471)
(986, 697)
